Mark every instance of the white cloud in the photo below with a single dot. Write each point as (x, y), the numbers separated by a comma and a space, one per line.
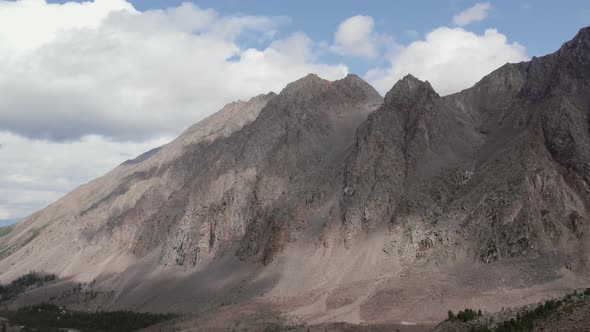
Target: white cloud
(451, 59)
(4, 214)
(356, 36)
(104, 68)
(472, 14)
(28, 24)
(34, 173)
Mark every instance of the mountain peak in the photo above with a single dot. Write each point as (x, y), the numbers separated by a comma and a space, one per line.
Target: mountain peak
(410, 77)
(357, 88)
(353, 80)
(407, 87)
(583, 36)
(579, 46)
(311, 78)
(410, 82)
(265, 97)
(311, 84)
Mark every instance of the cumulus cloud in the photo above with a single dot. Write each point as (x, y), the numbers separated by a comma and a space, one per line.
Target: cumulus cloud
(105, 68)
(5, 216)
(472, 14)
(49, 20)
(355, 36)
(451, 59)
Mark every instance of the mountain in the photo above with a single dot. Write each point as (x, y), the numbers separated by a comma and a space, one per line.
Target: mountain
(329, 203)
(8, 222)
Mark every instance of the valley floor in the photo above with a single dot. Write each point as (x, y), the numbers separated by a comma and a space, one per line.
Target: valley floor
(414, 302)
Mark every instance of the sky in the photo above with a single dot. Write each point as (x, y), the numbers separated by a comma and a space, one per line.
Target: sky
(86, 85)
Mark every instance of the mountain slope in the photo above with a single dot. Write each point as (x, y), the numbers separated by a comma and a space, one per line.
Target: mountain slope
(70, 220)
(331, 203)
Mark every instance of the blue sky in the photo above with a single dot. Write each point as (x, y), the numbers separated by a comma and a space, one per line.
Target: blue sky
(96, 83)
(541, 26)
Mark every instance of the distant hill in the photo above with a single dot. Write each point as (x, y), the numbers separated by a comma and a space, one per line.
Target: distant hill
(7, 222)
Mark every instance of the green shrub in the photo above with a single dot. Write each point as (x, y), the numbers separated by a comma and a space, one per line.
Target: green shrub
(35, 233)
(24, 283)
(451, 315)
(466, 315)
(6, 230)
(525, 322)
(49, 316)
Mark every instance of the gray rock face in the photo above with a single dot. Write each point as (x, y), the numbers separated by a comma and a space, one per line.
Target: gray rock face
(262, 175)
(415, 134)
(522, 136)
(497, 171)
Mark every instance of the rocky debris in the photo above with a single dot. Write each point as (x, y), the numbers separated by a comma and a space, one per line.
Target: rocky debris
(464, 176)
